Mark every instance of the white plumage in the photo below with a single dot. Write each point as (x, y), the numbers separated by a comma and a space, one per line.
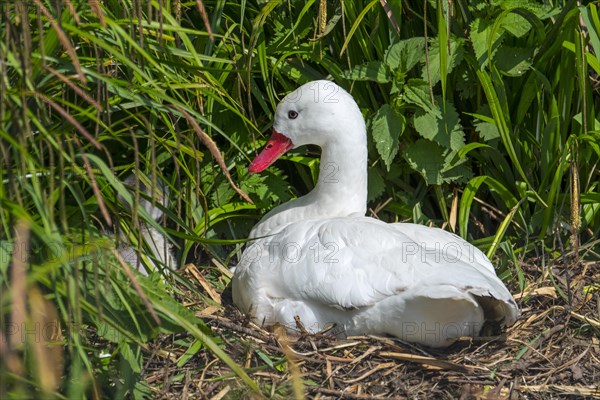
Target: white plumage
(158, 245)
(320, 259)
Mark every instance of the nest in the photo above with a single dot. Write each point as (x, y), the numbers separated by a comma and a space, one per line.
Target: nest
(552, 351)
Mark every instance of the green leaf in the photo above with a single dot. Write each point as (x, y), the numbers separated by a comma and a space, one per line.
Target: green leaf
(589, 57)
(500, 118)
(426, 158)
(513, 61)
(442, 126)
(442, 47)
(142, 391)
(455, 167)
(223, 194)
(267, 188)
(469, 194)
(590, 16)
(541, 11)
(416, 91)
(487, 131)
(134, 360)
(467, 148)
(515, 24)
(376, 184)
(191, 351)
(502, 229)
(592, 141)
(484, 124)
(386, 128)
(375, 71)
(480, 33)
(265, 358)
(356, 24)
(590, 198)
(453, 58)
(402, 56)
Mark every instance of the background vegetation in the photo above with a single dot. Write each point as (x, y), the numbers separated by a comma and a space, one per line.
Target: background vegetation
(482, 116)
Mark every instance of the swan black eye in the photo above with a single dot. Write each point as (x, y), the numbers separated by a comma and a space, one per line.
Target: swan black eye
(292, 114)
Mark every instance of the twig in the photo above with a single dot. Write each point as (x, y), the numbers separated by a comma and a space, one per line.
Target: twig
(344, 395)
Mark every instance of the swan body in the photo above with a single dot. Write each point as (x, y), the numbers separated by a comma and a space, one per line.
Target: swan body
(320, 261)
(157, 244)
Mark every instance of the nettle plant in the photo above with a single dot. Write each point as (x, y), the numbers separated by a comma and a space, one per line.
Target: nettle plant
(479, 105)
(413, 103)
(419, 82)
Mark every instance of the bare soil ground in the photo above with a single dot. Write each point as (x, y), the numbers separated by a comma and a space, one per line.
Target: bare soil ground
(553, 351)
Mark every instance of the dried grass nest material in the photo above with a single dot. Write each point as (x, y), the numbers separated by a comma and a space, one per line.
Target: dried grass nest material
(553, 351)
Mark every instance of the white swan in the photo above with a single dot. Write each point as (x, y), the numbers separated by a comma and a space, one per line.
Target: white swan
(158, 245)
(320, 259)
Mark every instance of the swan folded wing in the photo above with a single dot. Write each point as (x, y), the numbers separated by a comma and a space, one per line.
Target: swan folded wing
(447, 245)
(352, 263)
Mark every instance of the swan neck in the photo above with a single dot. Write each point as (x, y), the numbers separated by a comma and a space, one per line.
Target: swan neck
(342, 183)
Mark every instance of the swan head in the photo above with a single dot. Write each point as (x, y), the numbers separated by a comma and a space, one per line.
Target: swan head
(318, 112)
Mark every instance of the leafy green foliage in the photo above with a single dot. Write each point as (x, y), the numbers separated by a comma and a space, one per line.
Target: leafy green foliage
(386, 128)
(507, 55)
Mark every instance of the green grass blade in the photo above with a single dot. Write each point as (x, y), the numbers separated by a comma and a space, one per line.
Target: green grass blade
(502, 125)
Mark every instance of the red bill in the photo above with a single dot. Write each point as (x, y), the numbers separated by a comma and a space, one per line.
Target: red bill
(277, 145)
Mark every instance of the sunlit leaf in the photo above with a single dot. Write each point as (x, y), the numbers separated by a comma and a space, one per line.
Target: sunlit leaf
(374, 71)
(386, 128)
(442, 126)
(402, 56)
(427, 158)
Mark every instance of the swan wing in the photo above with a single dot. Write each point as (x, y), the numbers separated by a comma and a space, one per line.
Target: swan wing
(353, 263)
